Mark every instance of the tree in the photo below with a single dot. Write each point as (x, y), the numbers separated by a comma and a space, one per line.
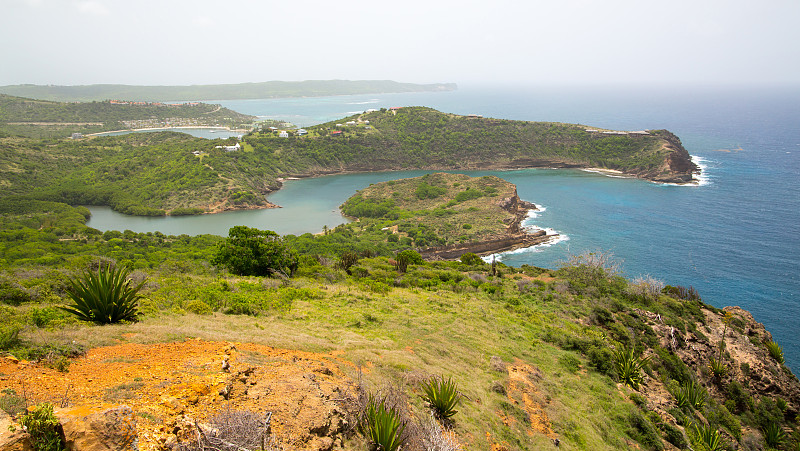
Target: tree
(252, 252)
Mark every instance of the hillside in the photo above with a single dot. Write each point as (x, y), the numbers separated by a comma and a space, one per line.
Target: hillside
(47, 119)
(262, 90)
(576, 354)
(175, 173)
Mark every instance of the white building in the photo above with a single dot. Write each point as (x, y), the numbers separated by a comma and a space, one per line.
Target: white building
(283, 134)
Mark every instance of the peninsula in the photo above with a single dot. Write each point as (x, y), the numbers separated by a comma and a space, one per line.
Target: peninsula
(172, 173)
(445, 216)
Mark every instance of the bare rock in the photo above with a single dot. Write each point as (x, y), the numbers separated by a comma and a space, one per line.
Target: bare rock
(16, 440)
(98, 428)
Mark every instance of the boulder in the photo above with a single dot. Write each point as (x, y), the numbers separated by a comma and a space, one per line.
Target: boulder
(16, 440)
(98, 428)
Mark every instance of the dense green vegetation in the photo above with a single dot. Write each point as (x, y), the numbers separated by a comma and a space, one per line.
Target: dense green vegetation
(263, 90)
(437, 209)
(580, 330)
(47, 119)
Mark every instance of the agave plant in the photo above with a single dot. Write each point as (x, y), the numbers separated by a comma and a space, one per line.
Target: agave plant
(708, 438)
(775, 351)
(773, 435)
(442, 395)
(691, 394)
(105, 297)
(629, 367)
(718, 367)
(383, 426)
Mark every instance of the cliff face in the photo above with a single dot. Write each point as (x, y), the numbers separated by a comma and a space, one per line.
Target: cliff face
(677, 166)
(515, 237)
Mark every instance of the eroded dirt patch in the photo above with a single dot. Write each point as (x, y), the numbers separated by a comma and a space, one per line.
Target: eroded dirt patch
(171, 385)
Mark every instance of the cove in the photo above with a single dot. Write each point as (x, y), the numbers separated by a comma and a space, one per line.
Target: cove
(307, 205)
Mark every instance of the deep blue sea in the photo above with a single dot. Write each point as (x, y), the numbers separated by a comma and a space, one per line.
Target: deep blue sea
(735, 238)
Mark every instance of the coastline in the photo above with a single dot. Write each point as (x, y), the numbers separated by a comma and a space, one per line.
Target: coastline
(169, 128)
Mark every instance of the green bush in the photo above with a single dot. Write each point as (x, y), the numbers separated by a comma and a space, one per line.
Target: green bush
(643, 431)
(252, 252)
(42, 425)
(442, 395)
(773, 435)
(198, 307)
(471, 259)
(775, 351)
(106, 297)
(382, 426)
(9, 336)
(628, 366)
(691, 395)
(707, 438)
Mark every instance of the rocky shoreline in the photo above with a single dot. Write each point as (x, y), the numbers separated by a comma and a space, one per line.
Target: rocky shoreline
(516, 236)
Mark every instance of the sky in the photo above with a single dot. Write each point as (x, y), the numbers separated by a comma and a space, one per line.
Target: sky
(186, 42)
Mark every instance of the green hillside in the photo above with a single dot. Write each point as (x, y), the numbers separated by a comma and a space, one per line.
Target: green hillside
(47, 119)
(576, 354)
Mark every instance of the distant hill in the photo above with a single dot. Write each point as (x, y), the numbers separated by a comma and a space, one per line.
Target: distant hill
(263, 90)
(45, 119)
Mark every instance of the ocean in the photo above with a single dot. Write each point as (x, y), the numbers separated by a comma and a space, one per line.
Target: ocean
(734, 237)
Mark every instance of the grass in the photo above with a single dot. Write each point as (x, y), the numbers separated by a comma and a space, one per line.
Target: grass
(419, 331)
(431, 331)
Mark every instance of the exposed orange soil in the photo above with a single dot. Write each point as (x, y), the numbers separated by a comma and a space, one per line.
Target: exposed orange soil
(170, 385)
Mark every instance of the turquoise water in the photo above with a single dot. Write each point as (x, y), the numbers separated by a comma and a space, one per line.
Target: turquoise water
(208, 133)
(735, 238)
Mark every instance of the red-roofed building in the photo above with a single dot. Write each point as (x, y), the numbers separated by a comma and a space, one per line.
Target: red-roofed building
(337, 133)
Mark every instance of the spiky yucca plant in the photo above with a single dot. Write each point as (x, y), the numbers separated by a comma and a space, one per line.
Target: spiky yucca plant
(707, 438)
(629, 367)
(775, 351)
(442, 395)
(382, 426)
(773, 435)
(691, 394)
(105, 297)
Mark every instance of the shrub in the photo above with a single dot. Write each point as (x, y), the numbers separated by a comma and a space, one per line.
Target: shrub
(234, 430)
(104, 298)
(647, 288)
(471, 259)
(643, 431)
(707, 438)
(382, 426)
(718, 367)
(9, 336)
(628, 366)
(347, 260)
(691, 394)
(442, 395)
(773, 435)
(42, 425)
(775, 351)
(11, 402)
(252, 252)
(198, 307)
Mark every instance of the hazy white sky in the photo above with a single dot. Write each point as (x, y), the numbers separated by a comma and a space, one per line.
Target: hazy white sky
(555, 41)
